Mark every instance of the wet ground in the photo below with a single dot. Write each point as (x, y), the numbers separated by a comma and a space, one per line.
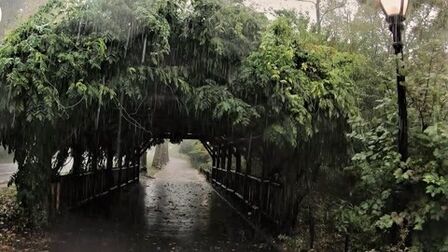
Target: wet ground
(176, 211)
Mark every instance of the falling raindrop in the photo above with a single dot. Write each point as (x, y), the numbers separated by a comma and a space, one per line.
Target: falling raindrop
(144, 49)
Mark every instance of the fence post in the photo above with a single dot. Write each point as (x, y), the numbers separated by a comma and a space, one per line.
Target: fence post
(229, 168)
(222, 179)
(109, 167)
(238, 160)
(120, 166)
(137, 170)
(246, 177)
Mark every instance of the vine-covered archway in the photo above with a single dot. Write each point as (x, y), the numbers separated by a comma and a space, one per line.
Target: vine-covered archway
(102, 79)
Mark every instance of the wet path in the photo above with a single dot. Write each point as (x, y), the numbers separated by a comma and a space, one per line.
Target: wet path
(176, 211)
(6, 172)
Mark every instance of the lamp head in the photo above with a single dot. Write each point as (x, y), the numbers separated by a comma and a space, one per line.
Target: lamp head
(395, 10)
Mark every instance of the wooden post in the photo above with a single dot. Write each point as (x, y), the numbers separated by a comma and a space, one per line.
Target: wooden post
(127, 167)
(229, 183)
(238, 160)
(238, 178)
(223, 157)
(247, 173)
(217, 160)
(263, 186)
(214, 159)
(143, 161)
(137, 171)
(109, 167)
(218, 156)
(120, 167)
(119, 151)
(52, 202)
(58, 196)
(212, 170)
(77, 159)
(223, 174)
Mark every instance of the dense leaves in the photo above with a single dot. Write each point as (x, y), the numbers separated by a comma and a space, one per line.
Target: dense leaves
(100, 81)
(389, 193)
(97, 78)
(292, 81)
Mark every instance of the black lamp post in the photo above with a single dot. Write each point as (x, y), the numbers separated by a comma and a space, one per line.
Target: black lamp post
(395, 11)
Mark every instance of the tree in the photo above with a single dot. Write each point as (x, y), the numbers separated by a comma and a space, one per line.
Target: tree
(323, 8)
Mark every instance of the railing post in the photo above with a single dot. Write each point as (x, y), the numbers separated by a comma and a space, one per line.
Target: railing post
(120, 167)
(217, 156)
(223, 157)
(238, 160)
(213, 159)
(229, 168)
(238, 180)
(262, 192)
(109, 167)
(246, 177)
(137, 170)
(223, 164)
(127, 167)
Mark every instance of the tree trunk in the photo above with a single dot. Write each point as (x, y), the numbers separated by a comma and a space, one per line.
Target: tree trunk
(318, 16)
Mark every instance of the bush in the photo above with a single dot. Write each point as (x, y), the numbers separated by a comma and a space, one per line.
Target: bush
(11, 214)
(197, 153)
(411, 195)
(16, 230)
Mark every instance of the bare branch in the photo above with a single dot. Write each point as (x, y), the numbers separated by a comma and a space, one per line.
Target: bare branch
(307, 1)
(337, 6)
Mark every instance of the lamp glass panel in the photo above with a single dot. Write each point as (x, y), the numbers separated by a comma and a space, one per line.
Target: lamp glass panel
(405, 6)
(393, 7)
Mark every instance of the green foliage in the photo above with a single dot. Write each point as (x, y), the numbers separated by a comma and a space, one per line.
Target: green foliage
(199, 157)
(11, 213)
(74, 68)
(411, 195)
(92, 78)
(292, 80)
(387, 192)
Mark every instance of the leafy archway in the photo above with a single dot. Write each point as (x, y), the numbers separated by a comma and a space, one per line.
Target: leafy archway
(102, 79)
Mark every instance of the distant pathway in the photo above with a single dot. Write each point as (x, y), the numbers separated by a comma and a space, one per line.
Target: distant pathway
(176, 211)
(6, 171)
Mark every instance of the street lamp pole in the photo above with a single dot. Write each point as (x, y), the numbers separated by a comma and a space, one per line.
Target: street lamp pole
(395, 11)
(396, 27)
